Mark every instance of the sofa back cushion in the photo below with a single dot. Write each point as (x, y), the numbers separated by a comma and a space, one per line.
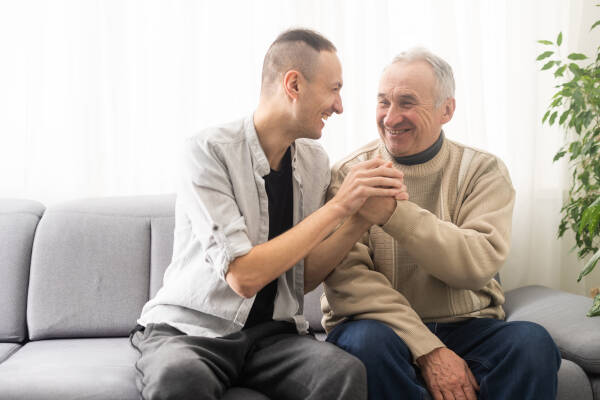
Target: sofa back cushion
(18, 221)
(95, 263)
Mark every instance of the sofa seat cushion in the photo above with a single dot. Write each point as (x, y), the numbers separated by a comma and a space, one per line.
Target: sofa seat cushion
(7, 350)
(595, 380)
(576, 335)
(239, 393)
(67, 369)
(573, 383)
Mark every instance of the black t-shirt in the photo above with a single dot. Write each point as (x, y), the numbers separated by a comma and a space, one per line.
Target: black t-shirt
(280, 193)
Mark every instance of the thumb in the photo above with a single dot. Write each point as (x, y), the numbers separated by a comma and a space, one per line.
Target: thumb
(472, 378)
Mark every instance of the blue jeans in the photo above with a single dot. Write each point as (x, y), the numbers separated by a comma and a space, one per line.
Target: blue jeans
(510, 360)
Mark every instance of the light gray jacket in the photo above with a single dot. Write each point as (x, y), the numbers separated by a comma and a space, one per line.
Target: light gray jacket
(221, 213)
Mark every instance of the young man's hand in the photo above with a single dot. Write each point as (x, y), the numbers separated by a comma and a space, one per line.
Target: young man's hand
(372, 178)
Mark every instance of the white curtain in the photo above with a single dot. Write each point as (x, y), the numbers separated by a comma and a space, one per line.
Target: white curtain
(96, 96)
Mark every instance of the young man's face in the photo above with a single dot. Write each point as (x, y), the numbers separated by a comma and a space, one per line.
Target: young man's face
(407, 119)
(321, 97)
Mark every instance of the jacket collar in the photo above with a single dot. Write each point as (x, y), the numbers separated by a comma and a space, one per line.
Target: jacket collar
(261, 164)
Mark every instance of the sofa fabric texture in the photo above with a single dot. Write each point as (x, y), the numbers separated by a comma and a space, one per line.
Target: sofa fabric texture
(18, 222)
(576, 335)
(75, 276)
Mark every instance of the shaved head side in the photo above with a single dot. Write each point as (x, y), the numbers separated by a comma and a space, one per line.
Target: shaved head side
(296, 49)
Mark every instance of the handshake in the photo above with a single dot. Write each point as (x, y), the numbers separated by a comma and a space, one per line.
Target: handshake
(370, 191)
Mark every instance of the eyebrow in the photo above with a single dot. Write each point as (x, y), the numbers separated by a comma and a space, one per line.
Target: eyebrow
(338, 84)
(399, 98)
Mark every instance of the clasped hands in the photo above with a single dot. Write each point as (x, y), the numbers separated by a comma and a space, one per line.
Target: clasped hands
(370, 191)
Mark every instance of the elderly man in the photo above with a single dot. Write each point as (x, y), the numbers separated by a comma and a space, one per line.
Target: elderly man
(416, 299)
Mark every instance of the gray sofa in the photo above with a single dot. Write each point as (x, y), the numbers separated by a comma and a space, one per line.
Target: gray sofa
(74, 277)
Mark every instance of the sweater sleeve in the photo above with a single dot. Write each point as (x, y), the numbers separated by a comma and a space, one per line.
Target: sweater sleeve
(468, 253)
(356, 290)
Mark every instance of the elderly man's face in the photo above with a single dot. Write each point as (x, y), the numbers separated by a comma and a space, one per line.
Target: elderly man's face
(407, 118)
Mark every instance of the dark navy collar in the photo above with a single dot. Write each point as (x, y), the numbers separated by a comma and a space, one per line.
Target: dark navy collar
(423, 156)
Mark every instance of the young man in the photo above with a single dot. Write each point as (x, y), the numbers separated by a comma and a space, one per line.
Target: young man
(250, 240)
(416, 299)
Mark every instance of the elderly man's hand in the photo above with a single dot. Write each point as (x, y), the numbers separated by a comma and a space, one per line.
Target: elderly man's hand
(447, 375)
(377, 210)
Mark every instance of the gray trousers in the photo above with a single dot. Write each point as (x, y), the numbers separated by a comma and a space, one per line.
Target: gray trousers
(270, 358)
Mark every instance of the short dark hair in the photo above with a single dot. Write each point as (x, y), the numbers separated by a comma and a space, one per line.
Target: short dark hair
(294, 49)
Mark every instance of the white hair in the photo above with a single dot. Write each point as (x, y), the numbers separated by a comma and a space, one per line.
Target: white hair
(441, 69)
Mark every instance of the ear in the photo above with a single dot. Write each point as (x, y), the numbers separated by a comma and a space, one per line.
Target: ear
(291, 84)
(448, 108)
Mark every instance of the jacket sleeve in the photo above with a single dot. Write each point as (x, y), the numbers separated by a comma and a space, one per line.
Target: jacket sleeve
(465, 255)
(356, 290)
(206, 197)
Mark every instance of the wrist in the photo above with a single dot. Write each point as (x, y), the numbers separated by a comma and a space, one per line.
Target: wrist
(424, 360)
(359, 223)
(337, 209)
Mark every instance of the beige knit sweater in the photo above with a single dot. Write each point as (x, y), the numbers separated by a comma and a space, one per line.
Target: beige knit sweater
(435, 258)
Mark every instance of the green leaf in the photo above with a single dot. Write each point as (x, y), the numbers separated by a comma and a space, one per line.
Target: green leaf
(563, 117)
(559, 39)
(553, 117)
(546, 116)
(545, 54)
(546, 42)
(575, 150)
(584, 178)
(595, 310)
(589, 266)
(548, 65)
(579, 103)
(576, 56)
(595, 24)
(557, 101)
(559, 155)
(574, 68)
(591, 216)
(559, 71)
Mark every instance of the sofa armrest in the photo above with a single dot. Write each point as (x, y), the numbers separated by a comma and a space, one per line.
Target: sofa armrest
(564, 317)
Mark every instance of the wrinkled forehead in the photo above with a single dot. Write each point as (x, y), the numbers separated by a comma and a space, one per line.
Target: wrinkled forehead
(407, 79)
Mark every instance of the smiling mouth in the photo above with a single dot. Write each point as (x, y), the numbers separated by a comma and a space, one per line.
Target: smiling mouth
(395, 132)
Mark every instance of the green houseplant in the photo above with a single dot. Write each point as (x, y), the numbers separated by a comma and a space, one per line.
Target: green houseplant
(575, 107)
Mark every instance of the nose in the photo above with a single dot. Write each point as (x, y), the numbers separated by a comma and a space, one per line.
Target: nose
(393, 116)
(337, 105)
